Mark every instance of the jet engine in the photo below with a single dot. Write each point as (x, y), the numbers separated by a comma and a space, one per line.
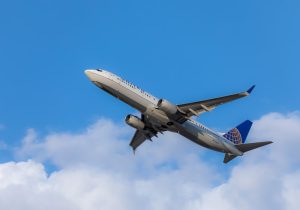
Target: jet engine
(135, 122)
(167, 107)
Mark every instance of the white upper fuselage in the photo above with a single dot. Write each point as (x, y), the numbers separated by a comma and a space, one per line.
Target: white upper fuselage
(147, 105)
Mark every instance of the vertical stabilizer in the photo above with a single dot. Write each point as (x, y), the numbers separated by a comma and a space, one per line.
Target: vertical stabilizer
(238, 135)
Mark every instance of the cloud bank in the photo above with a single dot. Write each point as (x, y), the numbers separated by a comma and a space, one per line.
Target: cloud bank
(97, 170)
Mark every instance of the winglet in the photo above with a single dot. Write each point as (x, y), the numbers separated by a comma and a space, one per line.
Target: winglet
(250, 89)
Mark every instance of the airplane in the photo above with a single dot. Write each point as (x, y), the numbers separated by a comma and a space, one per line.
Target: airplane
(160, 115)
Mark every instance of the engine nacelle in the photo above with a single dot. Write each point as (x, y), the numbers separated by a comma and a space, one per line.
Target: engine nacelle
(167, 107)
(135, 122)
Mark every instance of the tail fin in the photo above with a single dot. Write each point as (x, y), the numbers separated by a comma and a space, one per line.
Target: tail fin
(239, 134)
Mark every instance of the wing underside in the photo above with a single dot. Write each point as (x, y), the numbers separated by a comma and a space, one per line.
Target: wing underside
(140, 136)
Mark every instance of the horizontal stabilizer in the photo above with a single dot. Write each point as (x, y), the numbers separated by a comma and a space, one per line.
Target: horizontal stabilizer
(228, 157)
(245, 148)
(251, 146)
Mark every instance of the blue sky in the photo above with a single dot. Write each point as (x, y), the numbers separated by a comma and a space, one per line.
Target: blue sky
(68, 139)
(182, 51)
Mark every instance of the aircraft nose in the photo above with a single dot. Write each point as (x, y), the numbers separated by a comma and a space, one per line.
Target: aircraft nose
(89, 73)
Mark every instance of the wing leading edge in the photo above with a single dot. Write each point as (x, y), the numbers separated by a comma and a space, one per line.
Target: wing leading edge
(197, 108)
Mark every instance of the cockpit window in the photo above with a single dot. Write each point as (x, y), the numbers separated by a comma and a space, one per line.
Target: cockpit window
(99, 70)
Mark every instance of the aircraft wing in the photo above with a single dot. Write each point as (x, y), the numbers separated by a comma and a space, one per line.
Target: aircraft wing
(146, 134)
(197, 108)
(137, 139)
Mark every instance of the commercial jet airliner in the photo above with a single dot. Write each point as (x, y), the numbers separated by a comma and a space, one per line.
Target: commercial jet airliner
(160, 115)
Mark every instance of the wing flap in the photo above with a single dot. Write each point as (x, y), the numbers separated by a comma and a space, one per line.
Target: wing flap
(137, 139)
(140, 136)
(147, 133)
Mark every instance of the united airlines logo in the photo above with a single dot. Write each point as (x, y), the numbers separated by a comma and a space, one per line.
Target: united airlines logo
(234, 136)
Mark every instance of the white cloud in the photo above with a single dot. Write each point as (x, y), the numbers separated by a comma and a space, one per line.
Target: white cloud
(291, 192)
(99, 171)
(106, 146)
